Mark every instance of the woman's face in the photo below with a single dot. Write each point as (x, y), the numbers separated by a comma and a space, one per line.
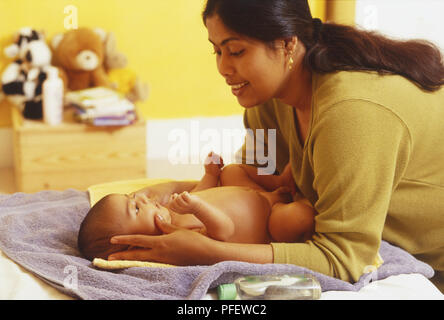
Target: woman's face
(254, 71)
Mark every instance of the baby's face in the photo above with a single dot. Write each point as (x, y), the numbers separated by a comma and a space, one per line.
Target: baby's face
(136, 214)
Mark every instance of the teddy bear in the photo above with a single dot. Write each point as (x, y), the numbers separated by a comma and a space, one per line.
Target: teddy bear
(23, 78)
(80, 53)
(121, 78)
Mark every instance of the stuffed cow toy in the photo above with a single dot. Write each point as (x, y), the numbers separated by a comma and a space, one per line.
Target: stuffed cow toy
(23, 78)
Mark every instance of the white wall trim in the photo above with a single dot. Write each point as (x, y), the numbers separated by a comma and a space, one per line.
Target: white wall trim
(176, 148)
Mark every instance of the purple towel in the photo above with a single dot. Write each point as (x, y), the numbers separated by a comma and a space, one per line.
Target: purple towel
(39, 232)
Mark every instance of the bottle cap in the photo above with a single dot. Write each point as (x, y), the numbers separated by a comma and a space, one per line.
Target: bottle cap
(52, 72)
(227, 291)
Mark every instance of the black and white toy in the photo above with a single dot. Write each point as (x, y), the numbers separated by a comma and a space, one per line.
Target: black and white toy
(23, 78)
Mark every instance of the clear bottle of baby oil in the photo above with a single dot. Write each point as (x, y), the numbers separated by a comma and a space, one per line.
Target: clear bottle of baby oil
(278, 287)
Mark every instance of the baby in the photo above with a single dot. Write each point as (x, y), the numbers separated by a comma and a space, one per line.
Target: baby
(243, 211)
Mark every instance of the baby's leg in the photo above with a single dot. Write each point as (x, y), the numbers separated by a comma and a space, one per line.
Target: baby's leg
(213, 167)
(293, 222)
(218, 225)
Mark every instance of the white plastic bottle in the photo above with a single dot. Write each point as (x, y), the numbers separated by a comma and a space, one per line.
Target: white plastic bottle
(52, 97)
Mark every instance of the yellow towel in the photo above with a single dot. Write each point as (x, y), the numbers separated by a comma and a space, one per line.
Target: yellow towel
(123, 264)
(98, 191)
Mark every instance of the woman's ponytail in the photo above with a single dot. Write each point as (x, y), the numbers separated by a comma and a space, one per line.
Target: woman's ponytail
(341, 47)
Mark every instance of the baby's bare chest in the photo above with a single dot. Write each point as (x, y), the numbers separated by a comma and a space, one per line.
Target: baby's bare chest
(237, 202)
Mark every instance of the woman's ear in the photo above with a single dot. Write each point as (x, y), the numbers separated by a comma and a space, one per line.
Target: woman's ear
(291, 44)
(279, 44)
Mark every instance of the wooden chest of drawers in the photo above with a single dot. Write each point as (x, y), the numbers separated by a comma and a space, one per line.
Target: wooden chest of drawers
(75, 155)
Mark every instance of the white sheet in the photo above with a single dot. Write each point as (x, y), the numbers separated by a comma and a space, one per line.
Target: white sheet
(16, 283)
(402, 287)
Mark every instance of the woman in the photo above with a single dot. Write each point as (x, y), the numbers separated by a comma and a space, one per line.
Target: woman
(360, 119)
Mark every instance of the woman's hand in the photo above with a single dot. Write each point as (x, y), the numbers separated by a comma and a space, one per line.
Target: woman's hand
(176, 246)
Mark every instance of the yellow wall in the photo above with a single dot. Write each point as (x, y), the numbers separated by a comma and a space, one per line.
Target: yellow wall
(165, 42)
(338, 11)
(341, 11)
(318, 8)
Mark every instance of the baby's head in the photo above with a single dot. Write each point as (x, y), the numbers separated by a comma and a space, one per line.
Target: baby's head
(117, 214)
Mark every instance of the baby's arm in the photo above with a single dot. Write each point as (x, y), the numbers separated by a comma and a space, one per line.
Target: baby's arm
(218, 225)
(213, 167)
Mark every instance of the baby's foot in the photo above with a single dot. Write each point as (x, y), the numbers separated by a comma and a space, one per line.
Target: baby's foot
(184, 202)
(213, 164)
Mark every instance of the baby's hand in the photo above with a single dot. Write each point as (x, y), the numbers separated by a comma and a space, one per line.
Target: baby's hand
(183, 203)
(213, 164)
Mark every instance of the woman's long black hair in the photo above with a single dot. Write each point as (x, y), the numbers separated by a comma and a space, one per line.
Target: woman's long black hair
(331, 47)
